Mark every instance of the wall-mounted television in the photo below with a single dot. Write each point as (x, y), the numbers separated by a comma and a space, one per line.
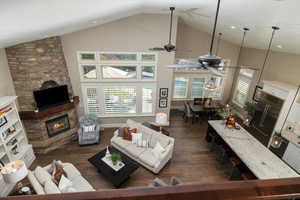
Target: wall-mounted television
(51, 97)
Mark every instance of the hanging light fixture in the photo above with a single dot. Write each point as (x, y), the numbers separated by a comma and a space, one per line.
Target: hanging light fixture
(276, 141)
(236, 73)
(211, 85)
(275, 28)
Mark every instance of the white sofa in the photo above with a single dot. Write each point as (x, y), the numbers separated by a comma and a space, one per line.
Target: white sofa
(142, 155)
(38, 180)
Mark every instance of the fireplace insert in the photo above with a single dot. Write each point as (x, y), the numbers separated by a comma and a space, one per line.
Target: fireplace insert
(58, 125)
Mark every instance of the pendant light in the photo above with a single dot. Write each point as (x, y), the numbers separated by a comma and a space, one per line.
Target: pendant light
(218, 43)
(236, 73)
(275, 28)
(210, 85)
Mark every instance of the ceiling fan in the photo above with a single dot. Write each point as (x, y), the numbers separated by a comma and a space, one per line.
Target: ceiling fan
(210, 62)
(168, 47)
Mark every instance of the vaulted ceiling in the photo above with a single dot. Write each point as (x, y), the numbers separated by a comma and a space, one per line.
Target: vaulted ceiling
(22, 21)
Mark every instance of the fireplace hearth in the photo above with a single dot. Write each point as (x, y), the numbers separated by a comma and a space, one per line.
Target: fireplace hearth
(58, 125)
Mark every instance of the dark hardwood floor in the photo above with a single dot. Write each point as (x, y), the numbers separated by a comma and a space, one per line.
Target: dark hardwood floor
(192, 161)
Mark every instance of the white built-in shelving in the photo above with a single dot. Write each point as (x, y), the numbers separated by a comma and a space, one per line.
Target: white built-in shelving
(13, 141)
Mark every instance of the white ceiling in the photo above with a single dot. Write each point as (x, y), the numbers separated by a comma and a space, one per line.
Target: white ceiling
(25, 20)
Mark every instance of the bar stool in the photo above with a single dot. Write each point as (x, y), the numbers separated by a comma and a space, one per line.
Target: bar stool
(235, 165)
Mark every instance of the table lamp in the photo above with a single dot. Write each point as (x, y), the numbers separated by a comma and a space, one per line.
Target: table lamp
(14, 172)
(161, 120)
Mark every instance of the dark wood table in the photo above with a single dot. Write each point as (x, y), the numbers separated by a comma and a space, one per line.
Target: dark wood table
(156, 128)
(206, 110)
(119, 177)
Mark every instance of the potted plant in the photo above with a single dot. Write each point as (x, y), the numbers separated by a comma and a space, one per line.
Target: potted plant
(115, 158)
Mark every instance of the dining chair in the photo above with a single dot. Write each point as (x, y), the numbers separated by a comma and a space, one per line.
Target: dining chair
(187, 113)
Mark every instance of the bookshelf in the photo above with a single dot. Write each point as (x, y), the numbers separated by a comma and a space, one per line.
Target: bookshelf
(13, 140)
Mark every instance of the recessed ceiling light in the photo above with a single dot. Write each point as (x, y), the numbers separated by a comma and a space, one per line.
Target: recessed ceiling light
(279, 46)
(232, 27)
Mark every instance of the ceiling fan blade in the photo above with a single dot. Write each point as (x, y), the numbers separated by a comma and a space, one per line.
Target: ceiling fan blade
(185, 65)
(215, 71)
(156, 49)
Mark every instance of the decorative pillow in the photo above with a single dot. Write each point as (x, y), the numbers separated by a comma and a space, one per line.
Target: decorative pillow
(65, 185)
(137, 139)
(51, 188)
(90, 128)
(42, 175)
(128, 132)
(57, 173)
(158, 150)
(121, 132)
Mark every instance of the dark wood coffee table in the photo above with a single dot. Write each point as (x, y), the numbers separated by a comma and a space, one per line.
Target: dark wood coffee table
(119, 177)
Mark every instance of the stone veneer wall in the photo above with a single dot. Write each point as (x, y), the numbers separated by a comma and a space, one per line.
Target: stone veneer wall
(33, 63)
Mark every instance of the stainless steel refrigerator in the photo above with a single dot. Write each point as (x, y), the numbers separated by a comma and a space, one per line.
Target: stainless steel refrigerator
(266, 114)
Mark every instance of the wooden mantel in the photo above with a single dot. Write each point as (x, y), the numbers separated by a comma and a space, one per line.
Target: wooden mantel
(31, 115)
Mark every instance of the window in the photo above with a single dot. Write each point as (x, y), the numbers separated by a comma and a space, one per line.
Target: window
(242, 87)
(147, 100)
(181, 87)
(92, 100)
(148, 72)
(89, 71)
(120, 100)
(197, 87)
(119, 72)
(191, 85)
(118, 84)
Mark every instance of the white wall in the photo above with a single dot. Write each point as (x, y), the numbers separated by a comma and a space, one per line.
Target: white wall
(6, 86)
(136, 33)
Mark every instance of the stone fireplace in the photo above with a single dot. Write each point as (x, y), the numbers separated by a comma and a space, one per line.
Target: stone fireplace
(40, 65)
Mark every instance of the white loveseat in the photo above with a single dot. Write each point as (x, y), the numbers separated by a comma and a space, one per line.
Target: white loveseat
(38, 180)
(143, 155)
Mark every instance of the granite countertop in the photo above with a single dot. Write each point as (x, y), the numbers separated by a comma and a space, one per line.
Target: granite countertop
(259, 159)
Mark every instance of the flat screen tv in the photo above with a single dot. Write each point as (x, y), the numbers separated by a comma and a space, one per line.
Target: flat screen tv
(48, 98)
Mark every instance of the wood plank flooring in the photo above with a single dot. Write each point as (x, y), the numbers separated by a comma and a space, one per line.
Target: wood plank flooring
(192, 161)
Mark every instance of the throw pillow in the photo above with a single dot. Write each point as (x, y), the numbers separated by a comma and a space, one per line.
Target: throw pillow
(139, 140)
(128, 133)
(57, 173)
(65, 185)
(121, 132)
(42, 175)
(158, 150)
(51, 188)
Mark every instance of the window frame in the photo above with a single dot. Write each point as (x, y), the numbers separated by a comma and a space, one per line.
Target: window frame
(138, 82)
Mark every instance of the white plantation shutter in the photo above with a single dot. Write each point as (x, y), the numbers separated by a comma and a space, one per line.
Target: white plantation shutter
(197, 87)
(120, 100)
(242, 90)
(147, 104)
(181, 87)
(92, 102)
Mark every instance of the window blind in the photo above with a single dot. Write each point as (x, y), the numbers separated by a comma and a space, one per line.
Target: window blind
(147, 104)
(93, 106)
(120, 100)
(242, 90)
(181, 87)
(197, 87)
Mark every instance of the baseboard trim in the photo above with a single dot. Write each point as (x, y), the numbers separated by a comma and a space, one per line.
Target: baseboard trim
(114, 125)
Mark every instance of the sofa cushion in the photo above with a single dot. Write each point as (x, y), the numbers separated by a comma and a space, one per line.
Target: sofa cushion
(81, 185)
(35, 183)
(71, 171)
(42, 175)
(134, 151)
(120, 142)
(158, 150)
(161, 138)
(51, 188)
(149, 159)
